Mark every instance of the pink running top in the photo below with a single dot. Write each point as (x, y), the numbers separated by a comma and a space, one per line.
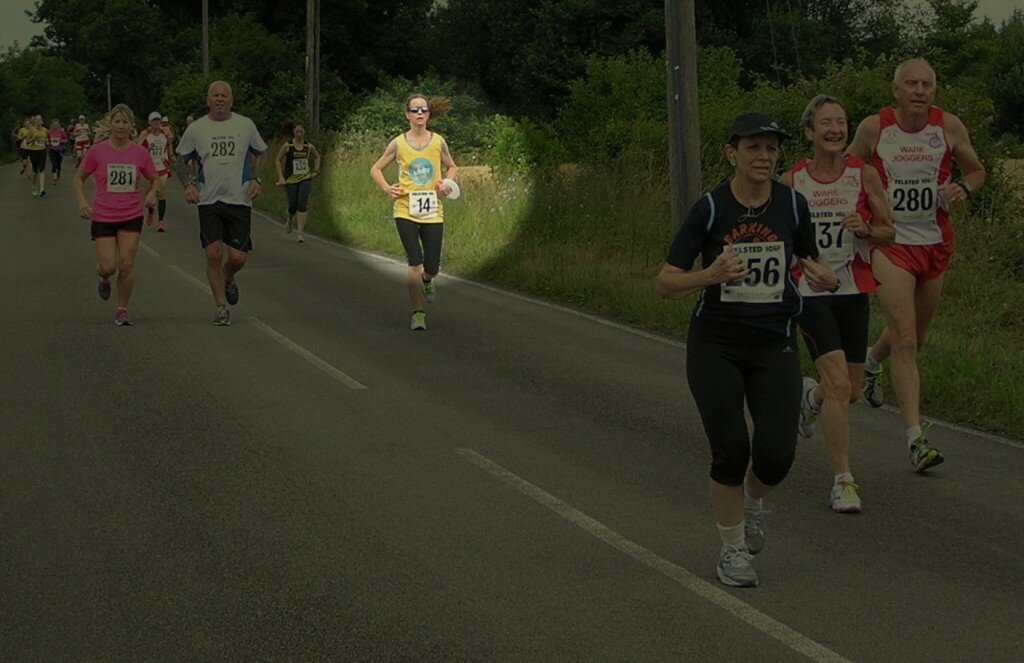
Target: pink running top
(117, 175)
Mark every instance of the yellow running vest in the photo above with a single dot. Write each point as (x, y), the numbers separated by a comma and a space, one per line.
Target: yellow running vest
(419, 171)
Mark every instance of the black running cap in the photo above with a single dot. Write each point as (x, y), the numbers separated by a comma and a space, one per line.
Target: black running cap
(753, 124)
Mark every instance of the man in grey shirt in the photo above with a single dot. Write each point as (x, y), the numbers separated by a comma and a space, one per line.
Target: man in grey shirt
(227, 148)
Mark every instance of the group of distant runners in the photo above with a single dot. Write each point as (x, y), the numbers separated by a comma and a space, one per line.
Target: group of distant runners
(217, 159)
(803, 254)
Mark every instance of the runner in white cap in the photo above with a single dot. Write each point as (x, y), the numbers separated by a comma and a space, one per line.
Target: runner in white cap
(157, 139)
(81, 132)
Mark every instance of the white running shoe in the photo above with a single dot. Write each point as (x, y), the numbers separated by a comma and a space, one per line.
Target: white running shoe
(844, 497)
(734, 567)
(753, 530)
(808, 416)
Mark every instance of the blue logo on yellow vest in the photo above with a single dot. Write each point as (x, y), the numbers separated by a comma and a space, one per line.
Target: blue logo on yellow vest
(421, 171)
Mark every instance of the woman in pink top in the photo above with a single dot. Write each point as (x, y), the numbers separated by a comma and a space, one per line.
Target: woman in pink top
(116, 211)
(56, 143)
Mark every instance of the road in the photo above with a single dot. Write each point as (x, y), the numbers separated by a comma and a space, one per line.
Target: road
(520, 482)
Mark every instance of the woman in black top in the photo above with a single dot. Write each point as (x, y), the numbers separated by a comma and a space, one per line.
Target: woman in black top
(742, 340)
(298, 162)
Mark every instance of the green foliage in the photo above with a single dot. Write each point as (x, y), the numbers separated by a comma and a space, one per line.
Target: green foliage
(522, 147)
(32, 82)
(461, 118)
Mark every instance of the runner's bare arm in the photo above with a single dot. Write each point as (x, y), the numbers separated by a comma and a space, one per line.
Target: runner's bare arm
(451, 170)
(377, 171)
(960, 142)
(881, 231)
(316, 159)
(864, 139)
(279, 163)
(183, 172)
(786, 179)
(678, 283)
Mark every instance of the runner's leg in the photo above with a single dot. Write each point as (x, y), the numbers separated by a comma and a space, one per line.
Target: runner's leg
(896, 294)
(127, 247)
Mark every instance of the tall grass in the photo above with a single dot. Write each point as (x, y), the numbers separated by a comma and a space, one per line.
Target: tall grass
(595, 236)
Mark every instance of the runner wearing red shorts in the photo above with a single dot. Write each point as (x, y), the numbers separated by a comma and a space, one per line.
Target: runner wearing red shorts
(849, 212)
(913, 146)
(156, 138)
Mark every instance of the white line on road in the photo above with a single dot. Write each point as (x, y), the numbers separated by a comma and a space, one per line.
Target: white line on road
(737, 608)
(340, 376)
(188, 277)
(147, 249)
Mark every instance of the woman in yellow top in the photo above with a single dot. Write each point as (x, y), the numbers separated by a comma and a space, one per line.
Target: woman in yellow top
(34, 143)
(298, 162)
(418, 212)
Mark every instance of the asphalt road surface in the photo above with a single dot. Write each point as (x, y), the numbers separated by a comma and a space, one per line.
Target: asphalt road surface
(521, 482)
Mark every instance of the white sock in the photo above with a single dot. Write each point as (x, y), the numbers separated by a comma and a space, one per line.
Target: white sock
(815, 405)
(871, 363)
(752, 503)
(913, 433)
(732, 536)
(845, 476)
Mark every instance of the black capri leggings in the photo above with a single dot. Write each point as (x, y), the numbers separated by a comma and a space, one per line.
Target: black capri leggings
(762, 368)
(298, 195)
(38, 160)
(431, 235)
(56, 158)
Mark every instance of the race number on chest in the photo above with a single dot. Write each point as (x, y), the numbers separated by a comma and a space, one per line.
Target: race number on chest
(764, 282)
(423, 204)
(300, 166)
(120, 177)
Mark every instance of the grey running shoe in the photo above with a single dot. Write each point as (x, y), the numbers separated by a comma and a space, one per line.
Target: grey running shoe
(300, 239)
(222, 318)
(231, 292)
(734, 567)
(419, 321)
(753, 529)
(104, 289)
(429, 291)
(922, 456)
(807, 414)
(844, 497)
(873, 386)
(121, 318)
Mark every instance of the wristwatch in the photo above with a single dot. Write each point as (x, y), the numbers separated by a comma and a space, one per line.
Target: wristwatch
(257, 180)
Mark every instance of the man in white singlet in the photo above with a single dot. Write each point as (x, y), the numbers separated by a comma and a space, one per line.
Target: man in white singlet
(913, 146)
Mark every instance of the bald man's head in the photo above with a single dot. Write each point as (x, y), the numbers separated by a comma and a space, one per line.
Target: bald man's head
(219, 98)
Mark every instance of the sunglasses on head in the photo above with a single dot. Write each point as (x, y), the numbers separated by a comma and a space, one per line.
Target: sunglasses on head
(419, 109)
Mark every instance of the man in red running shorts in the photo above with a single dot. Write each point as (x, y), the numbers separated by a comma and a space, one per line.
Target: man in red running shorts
(913, 146)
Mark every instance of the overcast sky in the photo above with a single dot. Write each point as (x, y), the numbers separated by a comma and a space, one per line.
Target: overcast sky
(15, 26)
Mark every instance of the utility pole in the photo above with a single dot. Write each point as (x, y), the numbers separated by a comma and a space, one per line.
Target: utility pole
(109, 106)
(313, 66)
(206, 40)
(683, 109)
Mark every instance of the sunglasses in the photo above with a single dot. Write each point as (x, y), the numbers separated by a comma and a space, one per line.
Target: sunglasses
(419, 109)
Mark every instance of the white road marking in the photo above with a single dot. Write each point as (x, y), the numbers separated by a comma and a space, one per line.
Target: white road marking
(707, 591)
(147, 249)
(205, 287)
(338, 375)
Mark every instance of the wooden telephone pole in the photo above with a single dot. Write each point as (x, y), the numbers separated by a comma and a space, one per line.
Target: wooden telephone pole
(313, 66)
(683, 109)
